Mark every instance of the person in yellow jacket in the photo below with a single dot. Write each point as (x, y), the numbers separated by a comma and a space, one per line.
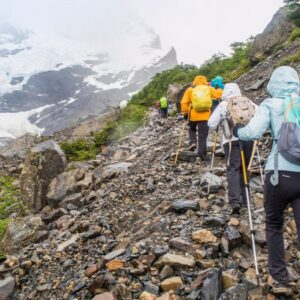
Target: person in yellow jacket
(198, 120)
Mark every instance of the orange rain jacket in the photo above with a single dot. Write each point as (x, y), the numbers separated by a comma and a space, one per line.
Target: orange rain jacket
(186, 101)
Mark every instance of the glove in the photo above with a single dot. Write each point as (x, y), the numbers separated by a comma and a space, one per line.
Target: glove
(236, 129)
(185, 117)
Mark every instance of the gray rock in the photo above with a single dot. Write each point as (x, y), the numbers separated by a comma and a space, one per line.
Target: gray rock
(166, 272)
(238, 292)
(114, 254)
(73, 199)
(212, 221)
(62, 186)
(18, 234)
(182, 206)
(54, 215)
(233, 236)
(277, 32)
(18, 147)
(214, 181)
(43, 163)
(151, 288)
(182, 245)
(212, 286)
(6, 287)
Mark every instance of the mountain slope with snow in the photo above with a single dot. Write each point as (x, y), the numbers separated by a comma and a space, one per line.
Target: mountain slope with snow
(54, 82)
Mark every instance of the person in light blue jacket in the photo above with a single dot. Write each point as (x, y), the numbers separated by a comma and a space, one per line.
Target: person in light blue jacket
(284, 82)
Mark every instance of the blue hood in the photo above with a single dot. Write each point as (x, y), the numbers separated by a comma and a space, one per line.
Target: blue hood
(284, 82)
(217, 81)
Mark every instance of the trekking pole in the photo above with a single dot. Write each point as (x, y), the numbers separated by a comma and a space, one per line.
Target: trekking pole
(181, 136)
(180, 141)
(245, 177)
(252, 155)
(260, 167)
(212, 159)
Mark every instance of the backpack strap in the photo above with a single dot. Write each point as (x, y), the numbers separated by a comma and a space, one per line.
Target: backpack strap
(275, 177)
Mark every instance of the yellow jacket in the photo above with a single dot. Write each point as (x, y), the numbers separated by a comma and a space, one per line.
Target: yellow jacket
(186, 101)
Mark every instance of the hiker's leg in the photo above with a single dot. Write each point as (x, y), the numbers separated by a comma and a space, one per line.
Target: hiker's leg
(247, 147)
(233, 172)
(275, 202)
(202, 138)
(294, 185)
(192, 132)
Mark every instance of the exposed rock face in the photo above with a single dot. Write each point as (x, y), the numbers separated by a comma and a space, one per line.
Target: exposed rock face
(43, 163)
(276, 32)
(20, 233)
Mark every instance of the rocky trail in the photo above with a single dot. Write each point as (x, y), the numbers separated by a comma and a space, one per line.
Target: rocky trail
(132, 225)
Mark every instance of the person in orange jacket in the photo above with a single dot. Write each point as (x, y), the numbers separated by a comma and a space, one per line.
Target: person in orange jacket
(198, 120)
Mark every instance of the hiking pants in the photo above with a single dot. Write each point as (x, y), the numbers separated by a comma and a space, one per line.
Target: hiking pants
(236, 186)
(276, 199)
(164, 112)
(202, 136)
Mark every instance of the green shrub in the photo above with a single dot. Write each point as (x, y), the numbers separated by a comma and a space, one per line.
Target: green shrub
(294, 35)
(81, 149)
(290, 60)
(9, 201)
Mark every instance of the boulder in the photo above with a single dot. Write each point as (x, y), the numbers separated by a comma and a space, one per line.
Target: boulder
(19, 147)
(63, 185)
(212, 286)
(277, 32)
(6, 287)
(19, 233)
(181, 206)
(43, 163)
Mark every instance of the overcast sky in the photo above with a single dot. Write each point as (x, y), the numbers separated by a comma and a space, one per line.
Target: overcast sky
(196, 28)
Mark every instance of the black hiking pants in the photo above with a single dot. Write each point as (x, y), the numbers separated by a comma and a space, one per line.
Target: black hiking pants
(202, 136)
(236, 186)
(276, 200)
(164, 112)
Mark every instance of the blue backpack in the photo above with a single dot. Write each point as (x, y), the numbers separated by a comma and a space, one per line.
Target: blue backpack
(288, 141)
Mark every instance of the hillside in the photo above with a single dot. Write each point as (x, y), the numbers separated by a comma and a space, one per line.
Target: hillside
(109, 216)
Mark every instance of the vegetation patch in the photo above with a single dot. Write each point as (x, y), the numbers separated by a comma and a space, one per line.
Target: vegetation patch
(9, 201)
(289, 60)
(81, 149)
(294, 35)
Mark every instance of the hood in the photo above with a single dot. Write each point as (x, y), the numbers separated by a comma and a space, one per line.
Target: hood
(217, 82)
(230, 90)
(284, 82)
(200, 80)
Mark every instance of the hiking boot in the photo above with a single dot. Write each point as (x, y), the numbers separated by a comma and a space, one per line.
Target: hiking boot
(278, 288)
(192, 147)
(236, 209)
(204, 158)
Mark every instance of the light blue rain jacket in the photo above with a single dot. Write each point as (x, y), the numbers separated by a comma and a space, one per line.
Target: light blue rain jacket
(270, 114)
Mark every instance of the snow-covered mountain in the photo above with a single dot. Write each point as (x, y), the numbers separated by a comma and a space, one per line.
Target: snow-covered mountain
(51, 82)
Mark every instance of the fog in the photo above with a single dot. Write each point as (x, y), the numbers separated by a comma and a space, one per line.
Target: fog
(196, 28)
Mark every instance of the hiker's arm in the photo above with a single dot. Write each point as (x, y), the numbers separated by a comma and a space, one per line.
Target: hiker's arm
(216, 117)
(257, 126)
(185, 102)
(215, 93)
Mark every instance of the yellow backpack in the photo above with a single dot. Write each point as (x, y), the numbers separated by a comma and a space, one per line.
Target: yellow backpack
(201, 99)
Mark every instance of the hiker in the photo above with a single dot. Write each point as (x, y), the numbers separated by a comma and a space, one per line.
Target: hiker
(236, 191)
(163, 107)
(196, 107)
(282, 174)
(217, 83)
